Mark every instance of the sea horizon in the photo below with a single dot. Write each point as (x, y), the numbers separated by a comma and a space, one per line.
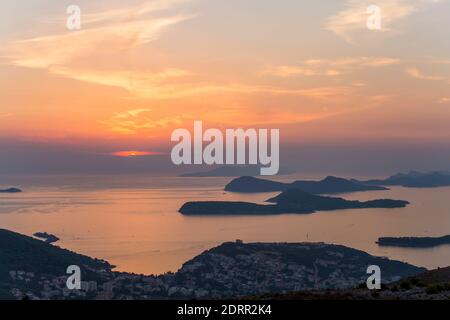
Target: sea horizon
(133, 222)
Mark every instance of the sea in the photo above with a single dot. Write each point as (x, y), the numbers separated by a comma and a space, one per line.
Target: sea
(133, 222)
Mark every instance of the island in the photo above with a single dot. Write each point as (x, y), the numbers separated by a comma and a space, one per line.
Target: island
(10, 190)
(413, 179)
(289, 201)
(329, 185)
(33, 269)
(413, 242)
(47, 237)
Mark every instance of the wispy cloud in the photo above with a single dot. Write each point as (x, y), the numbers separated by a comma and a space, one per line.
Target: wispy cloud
(444, 100)
(131, 13)
(103, 34)
(354, 17)
(416, 73)
(441, 61)
(64, 49)
(139, 83)
(135, 120)
(328, 67)
(122, 29)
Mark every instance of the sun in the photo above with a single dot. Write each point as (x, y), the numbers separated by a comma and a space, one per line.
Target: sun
(127, 154)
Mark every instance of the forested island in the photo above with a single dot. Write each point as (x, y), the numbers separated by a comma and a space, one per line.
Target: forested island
(413, 179)
(289, 201)
(329, 185)
(413, 242)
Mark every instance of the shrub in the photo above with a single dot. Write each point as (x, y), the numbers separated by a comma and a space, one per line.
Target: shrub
(405, 285)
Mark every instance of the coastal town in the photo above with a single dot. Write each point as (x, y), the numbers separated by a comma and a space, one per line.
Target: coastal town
(234, 269)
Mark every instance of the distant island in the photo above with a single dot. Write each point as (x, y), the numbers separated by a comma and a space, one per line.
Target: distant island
(47, 237)
(232, 171)
(37, 270)
(329, 185)
(413, 179)
(413, 242)
(289, 201)
(10, 190)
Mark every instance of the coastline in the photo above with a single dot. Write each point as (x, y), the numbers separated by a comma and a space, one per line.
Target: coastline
(220, 272)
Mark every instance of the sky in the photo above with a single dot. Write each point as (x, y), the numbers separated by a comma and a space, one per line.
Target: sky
(106, 98)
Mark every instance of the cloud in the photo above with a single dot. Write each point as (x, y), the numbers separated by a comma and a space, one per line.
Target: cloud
(444, 100)
(136, 120)
(156, 85)
(110, 34)
(294, 71)
(416, 73)
(328, 67)
(104, 37)
(60, 51)
(139, 83)
(442, 61)
(354, 17)
(131, 13)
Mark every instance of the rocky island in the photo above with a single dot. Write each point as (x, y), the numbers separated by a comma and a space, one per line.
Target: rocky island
(413, 242)
(289, 201)
(413, 179)
(10, 190)
(329, 185)
(47, 237)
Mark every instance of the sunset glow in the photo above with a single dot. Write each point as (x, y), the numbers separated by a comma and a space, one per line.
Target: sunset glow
(135, 153)
(225, 156)
(313, 71)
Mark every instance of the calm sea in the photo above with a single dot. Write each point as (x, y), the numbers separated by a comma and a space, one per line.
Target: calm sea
(133, 221)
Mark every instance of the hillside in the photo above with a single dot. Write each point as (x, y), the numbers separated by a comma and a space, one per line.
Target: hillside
(238, 269)
(427, 285)
(35, 269)
(28, 255)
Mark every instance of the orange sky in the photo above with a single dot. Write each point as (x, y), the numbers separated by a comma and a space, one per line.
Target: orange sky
(137, 70)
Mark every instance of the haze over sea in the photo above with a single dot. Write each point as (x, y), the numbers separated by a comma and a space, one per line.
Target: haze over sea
(132, 221)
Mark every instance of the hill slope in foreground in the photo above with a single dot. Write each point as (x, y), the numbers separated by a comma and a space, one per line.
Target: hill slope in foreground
(31, 268)
(23, 253)
(433, 284)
